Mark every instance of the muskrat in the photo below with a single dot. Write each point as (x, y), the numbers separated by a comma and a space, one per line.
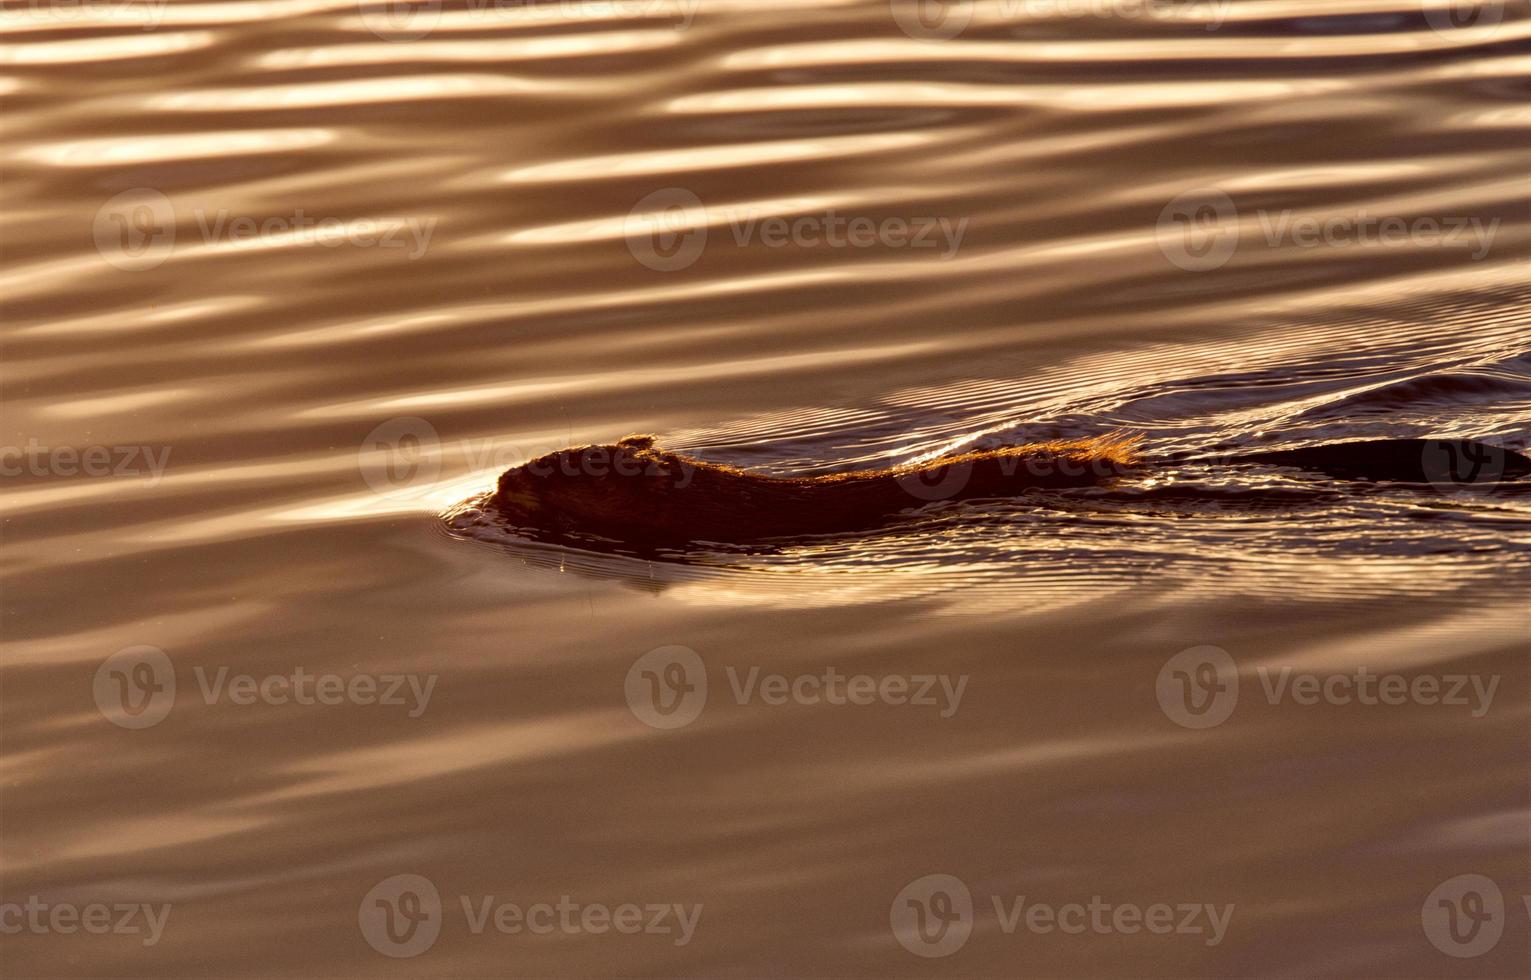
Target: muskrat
(636, 493)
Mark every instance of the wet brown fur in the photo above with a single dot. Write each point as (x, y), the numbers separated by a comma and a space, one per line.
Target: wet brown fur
(637, 493)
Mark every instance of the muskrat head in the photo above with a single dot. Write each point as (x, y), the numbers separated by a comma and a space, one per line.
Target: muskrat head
(572, 486)
(519, 494)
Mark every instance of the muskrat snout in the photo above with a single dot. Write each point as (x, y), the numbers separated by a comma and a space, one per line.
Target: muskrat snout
(517, 493)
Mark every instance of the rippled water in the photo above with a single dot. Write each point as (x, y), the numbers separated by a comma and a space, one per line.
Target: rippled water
(288, 282)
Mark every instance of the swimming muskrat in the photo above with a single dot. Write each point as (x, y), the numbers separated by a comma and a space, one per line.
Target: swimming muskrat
(637, 493)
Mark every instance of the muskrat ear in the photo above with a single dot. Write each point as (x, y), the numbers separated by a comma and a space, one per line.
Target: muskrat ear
(636, 442)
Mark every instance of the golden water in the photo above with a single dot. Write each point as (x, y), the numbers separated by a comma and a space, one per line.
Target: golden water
(285, 281)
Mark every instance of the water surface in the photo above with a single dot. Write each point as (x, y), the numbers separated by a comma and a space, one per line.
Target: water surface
(288, 282)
